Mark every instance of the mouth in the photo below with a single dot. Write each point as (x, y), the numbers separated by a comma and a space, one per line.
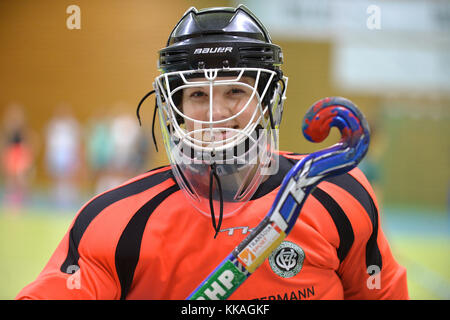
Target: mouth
(222, 135)
(216, 136)
(219, 134)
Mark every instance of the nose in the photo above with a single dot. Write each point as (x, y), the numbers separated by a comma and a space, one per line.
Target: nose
(221, 107)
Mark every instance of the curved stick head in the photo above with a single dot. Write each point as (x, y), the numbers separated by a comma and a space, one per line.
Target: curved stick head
(355, 134)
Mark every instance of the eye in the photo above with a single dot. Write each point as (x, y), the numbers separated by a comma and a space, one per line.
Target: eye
(236, 91)
(197, 94)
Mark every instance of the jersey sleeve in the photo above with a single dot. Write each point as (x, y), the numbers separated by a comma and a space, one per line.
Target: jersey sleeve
(88, 279)
(369, 270)
(85, 264)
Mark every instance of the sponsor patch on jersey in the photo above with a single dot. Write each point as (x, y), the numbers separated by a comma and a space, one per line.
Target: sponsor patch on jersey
(258, 249)
(287, 260)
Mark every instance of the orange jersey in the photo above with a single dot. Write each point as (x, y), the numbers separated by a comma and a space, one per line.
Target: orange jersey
(143, 240)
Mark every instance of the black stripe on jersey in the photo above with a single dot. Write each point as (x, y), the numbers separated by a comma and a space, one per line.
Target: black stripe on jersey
(97, 205)
(357, 190)
(343, 225)
(129, 245)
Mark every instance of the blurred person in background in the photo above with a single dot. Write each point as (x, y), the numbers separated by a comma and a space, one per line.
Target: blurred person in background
(142, 155)
(63, 155)
(130, 152)
(100, 149)
(125, 134)
(113, 156)
(17, 156)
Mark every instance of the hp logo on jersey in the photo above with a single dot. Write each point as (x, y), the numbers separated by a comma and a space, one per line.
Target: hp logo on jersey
(287, 260)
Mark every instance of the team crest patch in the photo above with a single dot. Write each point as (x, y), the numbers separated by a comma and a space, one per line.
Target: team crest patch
(287, 260)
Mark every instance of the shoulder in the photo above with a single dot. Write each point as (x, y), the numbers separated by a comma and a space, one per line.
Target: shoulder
(352, 184)
(353, 188)
(351, 206)
(144, 183)
(100, 223)
(138, 189)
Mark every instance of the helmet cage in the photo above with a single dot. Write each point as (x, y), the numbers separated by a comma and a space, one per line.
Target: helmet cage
(212, 48)
(242, 158)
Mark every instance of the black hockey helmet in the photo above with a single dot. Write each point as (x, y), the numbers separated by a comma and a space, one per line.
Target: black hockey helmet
(219, 38)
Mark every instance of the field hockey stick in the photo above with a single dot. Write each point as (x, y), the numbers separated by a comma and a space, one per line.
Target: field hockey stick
(299, 182)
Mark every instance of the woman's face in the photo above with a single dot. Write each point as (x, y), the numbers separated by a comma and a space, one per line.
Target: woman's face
(227, 100)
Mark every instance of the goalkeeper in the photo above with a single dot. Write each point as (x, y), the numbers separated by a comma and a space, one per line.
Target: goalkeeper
(219, 100)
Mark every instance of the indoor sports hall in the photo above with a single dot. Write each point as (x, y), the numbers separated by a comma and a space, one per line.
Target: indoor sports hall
(73, 72)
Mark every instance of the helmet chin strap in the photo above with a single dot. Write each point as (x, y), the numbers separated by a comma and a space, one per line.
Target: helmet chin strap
(213, 175)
